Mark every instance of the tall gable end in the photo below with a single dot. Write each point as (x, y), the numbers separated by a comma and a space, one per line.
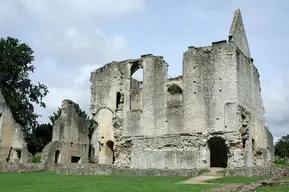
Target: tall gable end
(237, 33)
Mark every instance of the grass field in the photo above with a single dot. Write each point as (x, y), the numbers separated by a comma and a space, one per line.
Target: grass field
(51, 182)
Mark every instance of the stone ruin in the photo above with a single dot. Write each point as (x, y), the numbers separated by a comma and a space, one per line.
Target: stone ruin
(211, 116)
(13, 148)
(70, 141)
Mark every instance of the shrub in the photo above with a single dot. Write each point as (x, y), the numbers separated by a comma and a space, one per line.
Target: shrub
(37, 158)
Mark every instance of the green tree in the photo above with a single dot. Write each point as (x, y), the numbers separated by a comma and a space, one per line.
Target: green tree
(39, 138)
(282, 147)
(19, 92)
(55, 116)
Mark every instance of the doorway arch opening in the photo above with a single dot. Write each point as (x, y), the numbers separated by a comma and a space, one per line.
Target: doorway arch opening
(218, 152)
(56, 158)
(110, 151)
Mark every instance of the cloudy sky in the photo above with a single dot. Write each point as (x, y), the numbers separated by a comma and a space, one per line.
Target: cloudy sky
(71, 38)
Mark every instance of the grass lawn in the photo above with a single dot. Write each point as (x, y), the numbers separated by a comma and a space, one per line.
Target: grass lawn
(51, 182)
(282, 165)
(273, 189)
(235, 180)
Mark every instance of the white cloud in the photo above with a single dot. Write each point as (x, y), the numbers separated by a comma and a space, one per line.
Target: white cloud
(276, 99)
(68, 42)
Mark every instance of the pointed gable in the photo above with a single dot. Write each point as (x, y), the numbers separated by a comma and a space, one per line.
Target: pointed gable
(237, 33)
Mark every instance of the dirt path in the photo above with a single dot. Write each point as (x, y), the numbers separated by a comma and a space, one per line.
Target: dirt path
(213, 174)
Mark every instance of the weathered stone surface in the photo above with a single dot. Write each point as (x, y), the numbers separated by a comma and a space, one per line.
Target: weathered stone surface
(267, 172)
(93, 169)
(21, 168)
(251, 187)
(12, 144)
(217, 119)
(70, 142)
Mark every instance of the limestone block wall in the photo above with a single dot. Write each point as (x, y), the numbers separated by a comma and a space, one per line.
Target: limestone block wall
(209, 77)
(12, 144)
(60, 152)
(142, 125)
(70, 127)
(154, 100)
(110, 90)
(70, 143)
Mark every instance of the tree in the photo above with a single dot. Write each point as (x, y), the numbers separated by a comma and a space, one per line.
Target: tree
(19, 92)
(39, 138)
(282, 147)
(55, 116)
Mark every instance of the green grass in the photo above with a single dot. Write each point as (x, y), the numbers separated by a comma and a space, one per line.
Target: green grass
(205, 170)
(282, 165)
(235, 180)
(48, 182)
(273, 189)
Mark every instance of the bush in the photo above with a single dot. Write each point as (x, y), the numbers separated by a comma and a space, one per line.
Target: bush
(279, 161)
(37, 158)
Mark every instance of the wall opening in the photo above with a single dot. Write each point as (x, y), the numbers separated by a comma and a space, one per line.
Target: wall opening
(136, 81)
(118, 101)
(110, 151)
(18, 153)
(218, 152)
(56, 157)
(75, 159)
(174, 89)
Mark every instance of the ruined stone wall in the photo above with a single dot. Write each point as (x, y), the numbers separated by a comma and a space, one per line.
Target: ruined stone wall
(12, 145)
(110, 89)
(249, 93)
(249, 96)
(70, 127)
(175, 106)
(143, 125)
(209, 83)
(93, 169)
(153, 118)
(70, 143)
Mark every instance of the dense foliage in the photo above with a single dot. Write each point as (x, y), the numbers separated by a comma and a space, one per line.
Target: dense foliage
(282, 147)
(19, 92)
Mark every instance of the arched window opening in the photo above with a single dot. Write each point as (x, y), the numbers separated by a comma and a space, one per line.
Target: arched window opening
(218, 152)
(56, 157)
(110, 151)
(136, 82)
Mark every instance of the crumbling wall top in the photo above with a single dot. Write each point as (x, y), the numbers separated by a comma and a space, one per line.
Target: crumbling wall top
(237, 34)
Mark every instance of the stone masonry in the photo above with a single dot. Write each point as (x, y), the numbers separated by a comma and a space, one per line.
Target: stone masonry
(12, 145)
(70, 141)
(215, 119)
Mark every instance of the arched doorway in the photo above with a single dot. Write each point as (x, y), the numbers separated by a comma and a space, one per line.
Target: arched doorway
(218, 152)
(110, 152)
(56, 158)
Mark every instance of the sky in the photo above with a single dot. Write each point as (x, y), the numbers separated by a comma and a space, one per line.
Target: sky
(72, 38)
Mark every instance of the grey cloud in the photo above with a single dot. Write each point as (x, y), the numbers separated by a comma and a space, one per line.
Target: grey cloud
(68, 42)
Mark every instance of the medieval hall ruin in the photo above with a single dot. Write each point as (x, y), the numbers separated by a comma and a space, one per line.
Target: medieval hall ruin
(70, 141)
(12, 145)
(211, 116)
